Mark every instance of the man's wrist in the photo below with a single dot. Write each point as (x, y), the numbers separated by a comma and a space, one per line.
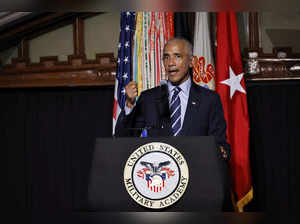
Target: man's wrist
(223, 152)
(129, 104)
(128, 109)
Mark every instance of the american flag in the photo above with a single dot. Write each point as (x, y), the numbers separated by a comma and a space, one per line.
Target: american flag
(123, 76)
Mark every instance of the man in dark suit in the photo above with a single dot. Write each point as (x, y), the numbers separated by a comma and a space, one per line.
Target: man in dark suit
(180, 108)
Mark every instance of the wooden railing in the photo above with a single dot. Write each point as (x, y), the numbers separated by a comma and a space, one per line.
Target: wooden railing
(281, 64)
(50, 72)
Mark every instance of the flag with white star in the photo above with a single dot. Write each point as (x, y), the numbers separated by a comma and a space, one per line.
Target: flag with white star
(123, 76)
(230, 85)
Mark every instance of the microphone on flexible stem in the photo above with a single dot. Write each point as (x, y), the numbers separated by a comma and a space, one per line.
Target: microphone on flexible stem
(163, 104)
(162, 107)
(163, 85)
(163, 82)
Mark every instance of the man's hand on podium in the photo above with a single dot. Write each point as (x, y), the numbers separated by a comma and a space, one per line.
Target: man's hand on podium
(224, 153)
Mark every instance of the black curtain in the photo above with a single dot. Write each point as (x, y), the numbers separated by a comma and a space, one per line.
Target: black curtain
(48, 136)
(274, 109)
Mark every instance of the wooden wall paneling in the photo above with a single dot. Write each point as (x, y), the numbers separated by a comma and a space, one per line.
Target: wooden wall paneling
(50, 72)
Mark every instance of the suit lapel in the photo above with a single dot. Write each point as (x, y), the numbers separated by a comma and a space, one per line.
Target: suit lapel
(191, 110)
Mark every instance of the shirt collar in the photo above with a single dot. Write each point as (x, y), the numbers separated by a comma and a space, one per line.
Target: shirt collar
(185, 87)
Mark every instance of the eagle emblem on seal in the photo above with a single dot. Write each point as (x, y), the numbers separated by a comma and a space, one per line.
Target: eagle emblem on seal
(155, 174)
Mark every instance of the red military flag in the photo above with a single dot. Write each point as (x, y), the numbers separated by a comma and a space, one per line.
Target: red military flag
(230, 84)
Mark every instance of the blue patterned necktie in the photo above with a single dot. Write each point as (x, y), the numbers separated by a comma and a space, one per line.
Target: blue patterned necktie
(175, 110)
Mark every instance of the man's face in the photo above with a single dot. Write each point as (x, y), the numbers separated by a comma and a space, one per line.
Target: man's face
(177, 62)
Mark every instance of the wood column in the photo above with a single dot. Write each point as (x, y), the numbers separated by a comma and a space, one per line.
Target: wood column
(23, 49)
(78, 37)
(253, 31)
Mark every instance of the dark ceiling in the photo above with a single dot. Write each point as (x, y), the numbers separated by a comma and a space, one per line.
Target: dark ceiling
(18, 26)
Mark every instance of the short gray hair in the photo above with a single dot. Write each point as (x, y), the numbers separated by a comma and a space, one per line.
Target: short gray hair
(187, 44)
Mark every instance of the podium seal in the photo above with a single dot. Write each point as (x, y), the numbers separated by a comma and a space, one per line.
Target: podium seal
(156, 175)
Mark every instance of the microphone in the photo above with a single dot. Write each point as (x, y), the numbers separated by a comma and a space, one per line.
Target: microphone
(163, 88)
(162, 108)
(162, 105)
(163, 82)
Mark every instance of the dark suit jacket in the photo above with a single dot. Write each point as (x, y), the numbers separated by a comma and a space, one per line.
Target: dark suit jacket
(203, 117)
